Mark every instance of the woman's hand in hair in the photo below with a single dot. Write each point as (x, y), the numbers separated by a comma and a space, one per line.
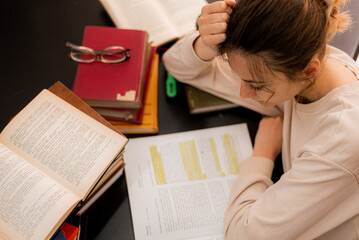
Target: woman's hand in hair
(212, 25)
(268, 141)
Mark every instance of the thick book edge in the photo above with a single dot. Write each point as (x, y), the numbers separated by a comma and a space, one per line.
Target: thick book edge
(131, 115)
(115, 176)
(150, 119)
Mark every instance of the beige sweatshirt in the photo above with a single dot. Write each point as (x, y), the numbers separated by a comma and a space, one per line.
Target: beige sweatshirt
(318, 195)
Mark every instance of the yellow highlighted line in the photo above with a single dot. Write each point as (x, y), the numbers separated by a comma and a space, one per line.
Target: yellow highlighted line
(157, 165)
(231, 154)
(190, 160)
(215, 156)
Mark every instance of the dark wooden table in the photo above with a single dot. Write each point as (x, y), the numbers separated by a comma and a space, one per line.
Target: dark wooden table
(34, 56)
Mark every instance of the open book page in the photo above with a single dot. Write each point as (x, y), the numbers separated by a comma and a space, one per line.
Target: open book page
(31, 202)
(62, 141)
(183, 14)
(141, 15)
(178, 184)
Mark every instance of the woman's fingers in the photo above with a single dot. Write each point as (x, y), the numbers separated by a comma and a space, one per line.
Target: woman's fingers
(217, 7)
(214, 39)
(213, 23)
(212, 26)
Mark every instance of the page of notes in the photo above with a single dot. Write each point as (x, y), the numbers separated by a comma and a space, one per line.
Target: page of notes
(178, 184)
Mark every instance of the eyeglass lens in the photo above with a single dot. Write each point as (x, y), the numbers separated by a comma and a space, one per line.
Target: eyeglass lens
(114, 54)
(83, 55)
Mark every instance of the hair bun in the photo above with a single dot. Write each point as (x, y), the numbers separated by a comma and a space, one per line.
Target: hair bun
(338, 21)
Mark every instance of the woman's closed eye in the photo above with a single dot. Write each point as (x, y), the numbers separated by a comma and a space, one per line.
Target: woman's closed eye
(256, 85)
(256, 88)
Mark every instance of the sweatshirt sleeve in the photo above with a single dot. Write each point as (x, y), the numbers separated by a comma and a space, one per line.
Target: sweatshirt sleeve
(215, 76)
(308, 200)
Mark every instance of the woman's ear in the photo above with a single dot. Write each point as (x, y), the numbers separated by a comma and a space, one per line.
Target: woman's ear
(312, 68)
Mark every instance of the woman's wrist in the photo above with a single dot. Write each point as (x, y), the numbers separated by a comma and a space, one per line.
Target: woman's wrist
(203, 51)
(265, 153)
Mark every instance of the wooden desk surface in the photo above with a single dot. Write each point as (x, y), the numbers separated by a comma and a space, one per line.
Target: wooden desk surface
(34, 57)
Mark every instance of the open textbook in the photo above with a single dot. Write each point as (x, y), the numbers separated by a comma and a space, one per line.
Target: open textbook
(179, 183)
(53, 156)
(164, 20)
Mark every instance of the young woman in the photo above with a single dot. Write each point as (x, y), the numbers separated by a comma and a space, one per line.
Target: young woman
(272, 56)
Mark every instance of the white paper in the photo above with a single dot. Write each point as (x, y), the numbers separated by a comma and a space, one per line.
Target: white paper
(164, 20)
(178, 184)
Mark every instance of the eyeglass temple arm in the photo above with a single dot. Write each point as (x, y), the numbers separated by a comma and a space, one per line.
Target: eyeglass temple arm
(73, 46)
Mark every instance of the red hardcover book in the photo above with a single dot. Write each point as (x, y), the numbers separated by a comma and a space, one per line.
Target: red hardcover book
(70, 232)
(113, 85)
(129, 115)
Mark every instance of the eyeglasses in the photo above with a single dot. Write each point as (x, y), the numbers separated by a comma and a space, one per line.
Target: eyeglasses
(113, 54)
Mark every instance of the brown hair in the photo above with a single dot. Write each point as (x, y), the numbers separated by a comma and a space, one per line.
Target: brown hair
(283, 35)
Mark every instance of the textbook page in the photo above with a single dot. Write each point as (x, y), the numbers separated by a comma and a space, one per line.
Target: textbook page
(179, 183)
(183, 14)
(141, 15)
(65, 143)
(32, 205)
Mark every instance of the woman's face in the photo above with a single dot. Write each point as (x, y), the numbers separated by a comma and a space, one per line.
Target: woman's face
(269, 91)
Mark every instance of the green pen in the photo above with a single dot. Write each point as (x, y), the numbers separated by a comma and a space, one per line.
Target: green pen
(171, 86)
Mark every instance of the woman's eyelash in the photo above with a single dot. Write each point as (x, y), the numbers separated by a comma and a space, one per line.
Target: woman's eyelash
(255, 88)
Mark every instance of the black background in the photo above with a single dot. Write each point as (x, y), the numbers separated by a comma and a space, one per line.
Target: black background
(34, 56)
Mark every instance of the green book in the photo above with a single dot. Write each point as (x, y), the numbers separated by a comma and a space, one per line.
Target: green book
(200, 101)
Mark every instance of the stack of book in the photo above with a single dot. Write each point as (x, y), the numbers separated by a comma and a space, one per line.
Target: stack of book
(149, 122)
(126, 93)
(120, 92)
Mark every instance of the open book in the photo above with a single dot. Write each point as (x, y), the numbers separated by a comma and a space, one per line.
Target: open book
(52, 157)
(179, 183)
(164, 20)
